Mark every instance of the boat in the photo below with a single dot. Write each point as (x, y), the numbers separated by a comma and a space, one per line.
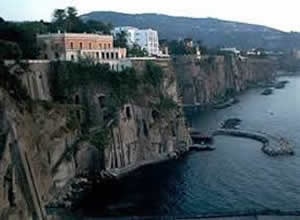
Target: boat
(267, 91)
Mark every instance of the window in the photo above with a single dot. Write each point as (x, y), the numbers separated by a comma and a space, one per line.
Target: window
(103, 55)
(97, 55)
(117, 55)
(71, 45)
(90, 45)
(100, 46)
(80, 45)
(104, 46)
(107, 55)
(108, 45)
(56, 55)
(72, 57)
(112, 55)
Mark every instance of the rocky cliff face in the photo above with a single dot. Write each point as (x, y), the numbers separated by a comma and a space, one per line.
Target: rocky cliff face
(146, 133)
(94, 122)
(206, 80)
(45, 146)
(36, 137)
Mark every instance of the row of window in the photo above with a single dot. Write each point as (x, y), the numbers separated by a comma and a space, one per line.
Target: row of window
(102, 55)
(104, 46)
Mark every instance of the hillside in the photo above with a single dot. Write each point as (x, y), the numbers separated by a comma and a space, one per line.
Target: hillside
(213, 32)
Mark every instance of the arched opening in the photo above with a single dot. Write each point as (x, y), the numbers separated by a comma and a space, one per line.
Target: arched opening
(101, 101)
(128, 112)
(145, 129)
(155, 115)
(77, 102)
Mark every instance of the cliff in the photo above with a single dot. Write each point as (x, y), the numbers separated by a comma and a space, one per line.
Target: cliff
(76, 123)
(206, 81)
(93, 123)
(35, 138)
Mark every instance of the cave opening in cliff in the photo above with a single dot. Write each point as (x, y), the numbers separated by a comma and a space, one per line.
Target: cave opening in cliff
(145, 128)
(155, 115)
(128, 112)
(77, 102)
(101, 101)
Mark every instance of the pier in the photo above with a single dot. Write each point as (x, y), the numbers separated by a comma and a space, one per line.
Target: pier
(272, 146)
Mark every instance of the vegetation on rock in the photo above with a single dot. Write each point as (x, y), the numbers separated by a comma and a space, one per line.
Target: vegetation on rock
(12, 84)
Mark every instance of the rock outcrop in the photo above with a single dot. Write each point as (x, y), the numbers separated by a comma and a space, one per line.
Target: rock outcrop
(36, 137)
(204, 82)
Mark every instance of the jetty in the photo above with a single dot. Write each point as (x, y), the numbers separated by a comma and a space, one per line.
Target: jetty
(272, 146)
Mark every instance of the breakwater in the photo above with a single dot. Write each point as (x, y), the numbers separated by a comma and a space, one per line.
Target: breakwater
(271, 145)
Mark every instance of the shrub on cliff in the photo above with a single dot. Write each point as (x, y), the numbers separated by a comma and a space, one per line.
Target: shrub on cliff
(9, 50)
(153, 74)
(12, 84)
(68, 77)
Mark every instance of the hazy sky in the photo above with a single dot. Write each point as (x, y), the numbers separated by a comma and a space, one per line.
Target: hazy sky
(284, 15)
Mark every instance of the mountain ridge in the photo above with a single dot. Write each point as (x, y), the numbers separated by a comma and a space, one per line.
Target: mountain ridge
(213, 32)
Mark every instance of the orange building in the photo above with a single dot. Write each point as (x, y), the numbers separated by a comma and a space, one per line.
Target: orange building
(73, 46)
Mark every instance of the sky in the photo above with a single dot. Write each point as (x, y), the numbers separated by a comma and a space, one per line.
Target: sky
(283, 15)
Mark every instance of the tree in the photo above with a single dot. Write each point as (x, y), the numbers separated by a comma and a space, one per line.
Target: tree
(73, 23)
(59, 18)
(137, 51)
(23, 34)
(120, 40)
(97, 26)
(9, 50)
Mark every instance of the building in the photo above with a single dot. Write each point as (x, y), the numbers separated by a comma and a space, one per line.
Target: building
(73, 46)
(145, 38)
(130, 33)
(188, 42)
(231, 50)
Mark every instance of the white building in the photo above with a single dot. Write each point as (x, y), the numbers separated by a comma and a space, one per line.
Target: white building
(231, 50)
(145, 38)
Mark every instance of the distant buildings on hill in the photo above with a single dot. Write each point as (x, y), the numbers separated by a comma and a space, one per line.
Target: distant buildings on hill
(146, 39)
